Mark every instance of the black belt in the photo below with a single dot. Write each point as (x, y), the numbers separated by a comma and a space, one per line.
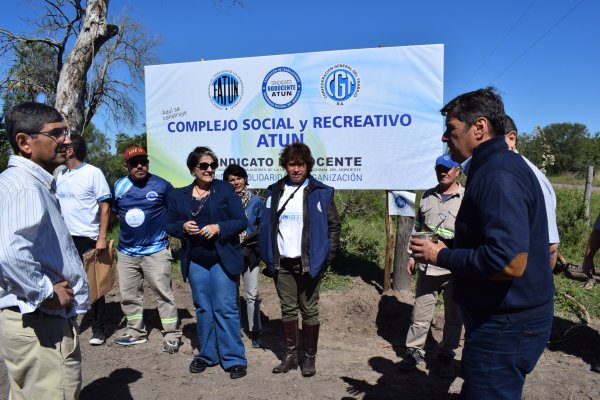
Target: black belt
(289, 262)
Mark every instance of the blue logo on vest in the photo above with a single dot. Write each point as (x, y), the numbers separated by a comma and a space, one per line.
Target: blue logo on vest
(340, 84)
(281, 87)
(225, 89)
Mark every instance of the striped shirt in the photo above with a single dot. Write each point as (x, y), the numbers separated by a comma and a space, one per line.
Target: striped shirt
(36, 249)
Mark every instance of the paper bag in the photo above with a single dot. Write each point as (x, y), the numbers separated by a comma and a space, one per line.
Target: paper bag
(100, 271)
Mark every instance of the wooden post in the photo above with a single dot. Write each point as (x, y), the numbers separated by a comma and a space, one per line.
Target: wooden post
(389, 245)
(589, 179)
(402, 280)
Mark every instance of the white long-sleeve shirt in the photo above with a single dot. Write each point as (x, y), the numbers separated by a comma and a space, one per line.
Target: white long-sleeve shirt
(36, 249)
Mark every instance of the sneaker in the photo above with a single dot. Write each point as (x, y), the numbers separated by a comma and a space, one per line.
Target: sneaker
(447, 369)
(171, 346)
(98, 339)
(411, 360)
(127, 340)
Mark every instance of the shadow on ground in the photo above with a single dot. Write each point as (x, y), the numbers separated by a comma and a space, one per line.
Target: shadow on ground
(393, 321)
(414, 385)
(115, 386)
(362, 267)
(576, 339)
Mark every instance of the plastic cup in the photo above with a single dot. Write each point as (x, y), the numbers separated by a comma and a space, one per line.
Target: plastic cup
(429, 236)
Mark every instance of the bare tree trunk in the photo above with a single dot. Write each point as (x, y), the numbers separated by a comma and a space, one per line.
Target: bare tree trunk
(402, 280)
(71, 89)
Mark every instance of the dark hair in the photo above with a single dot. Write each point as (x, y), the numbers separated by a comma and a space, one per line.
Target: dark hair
(509, 125)
(78, 145)
(235, 170)
(296, 151)
(28, 118)
(480, 103)
(197, 154)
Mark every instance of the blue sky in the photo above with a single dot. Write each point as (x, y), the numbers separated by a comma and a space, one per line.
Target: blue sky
(543, 56)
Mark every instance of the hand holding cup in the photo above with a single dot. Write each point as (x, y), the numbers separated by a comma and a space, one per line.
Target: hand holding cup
(425, 247)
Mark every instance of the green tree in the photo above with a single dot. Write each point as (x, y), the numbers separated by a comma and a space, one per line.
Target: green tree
(561, 148)
(114, 169)
(568, 142)
(74, 58)
(32, 77)
(98, 147)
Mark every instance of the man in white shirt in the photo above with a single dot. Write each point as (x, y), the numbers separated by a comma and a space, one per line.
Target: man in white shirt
(510, 135)
(84, 197)
(42, 282)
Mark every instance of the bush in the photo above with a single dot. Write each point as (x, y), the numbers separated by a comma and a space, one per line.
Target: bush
(572, 227)
(362, 238)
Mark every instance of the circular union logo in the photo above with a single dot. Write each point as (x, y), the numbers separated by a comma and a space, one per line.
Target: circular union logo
(400, 202)
(340, 84)
(152, 195)
(225, 89)
(281, 87)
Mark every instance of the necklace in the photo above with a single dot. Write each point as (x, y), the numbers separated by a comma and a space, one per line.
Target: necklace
(201, 192)
(201, 198)
(201, 203)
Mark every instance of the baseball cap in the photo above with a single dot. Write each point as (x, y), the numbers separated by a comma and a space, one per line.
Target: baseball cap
(134, 151)
(446, 161)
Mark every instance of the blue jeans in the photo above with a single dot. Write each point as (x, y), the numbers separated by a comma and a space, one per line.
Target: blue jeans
(500, 350)
(214, 292)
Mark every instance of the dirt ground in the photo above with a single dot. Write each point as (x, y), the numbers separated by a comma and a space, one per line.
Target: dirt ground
(362, 337)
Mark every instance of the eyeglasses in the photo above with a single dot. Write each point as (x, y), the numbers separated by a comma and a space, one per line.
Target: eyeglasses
(203, 166)
(56, 134)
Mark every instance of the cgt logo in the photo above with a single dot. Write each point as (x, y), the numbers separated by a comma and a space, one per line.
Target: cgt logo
(225, 89)
(340, 84)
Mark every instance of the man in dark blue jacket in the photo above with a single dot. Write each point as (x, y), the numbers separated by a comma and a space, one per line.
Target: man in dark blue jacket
(298, 237)
(500, 263)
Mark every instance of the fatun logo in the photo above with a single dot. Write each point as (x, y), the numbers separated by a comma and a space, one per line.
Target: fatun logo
(225, 89)
(340, 84)
(281, 87)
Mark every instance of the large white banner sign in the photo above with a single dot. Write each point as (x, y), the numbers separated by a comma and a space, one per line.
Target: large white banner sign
(371, 117)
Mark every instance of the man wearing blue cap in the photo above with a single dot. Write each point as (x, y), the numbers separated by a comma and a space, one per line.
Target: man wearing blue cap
(437, 213)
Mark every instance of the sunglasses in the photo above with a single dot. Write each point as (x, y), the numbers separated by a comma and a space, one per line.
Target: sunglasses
(56, 134)
(134, 163)
(442, 168)
(203, 166)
